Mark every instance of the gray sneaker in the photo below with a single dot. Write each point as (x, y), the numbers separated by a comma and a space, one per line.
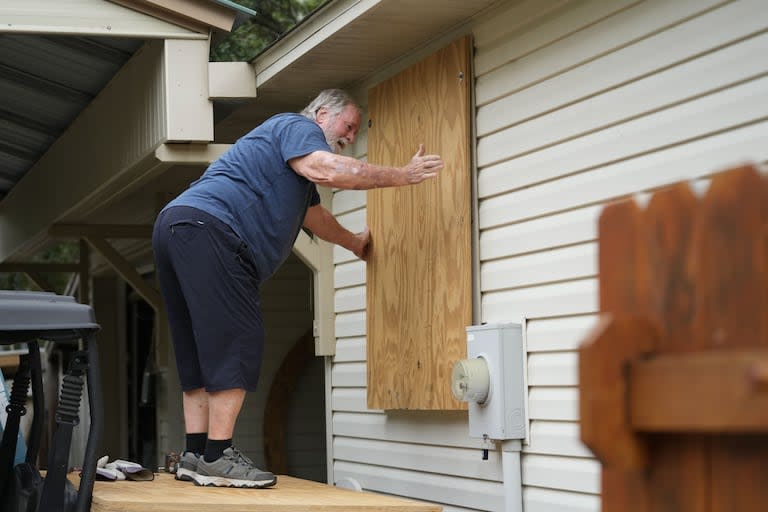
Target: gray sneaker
(186, 469)
(233, 469)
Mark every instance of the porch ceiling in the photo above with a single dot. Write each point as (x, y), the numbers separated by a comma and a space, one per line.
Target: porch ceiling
(55, 58)
(45, 82)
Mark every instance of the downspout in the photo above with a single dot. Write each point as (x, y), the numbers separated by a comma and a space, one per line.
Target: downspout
(510, 449)
(512, 475)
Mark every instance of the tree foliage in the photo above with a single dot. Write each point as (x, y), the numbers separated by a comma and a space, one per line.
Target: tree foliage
(273, 19)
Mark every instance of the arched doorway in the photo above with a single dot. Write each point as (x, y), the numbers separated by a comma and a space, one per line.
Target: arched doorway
(298, 396)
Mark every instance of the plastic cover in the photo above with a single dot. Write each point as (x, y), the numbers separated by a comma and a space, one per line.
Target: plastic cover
(43, 311)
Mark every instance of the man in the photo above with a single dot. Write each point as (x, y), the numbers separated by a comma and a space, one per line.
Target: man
(225, 235)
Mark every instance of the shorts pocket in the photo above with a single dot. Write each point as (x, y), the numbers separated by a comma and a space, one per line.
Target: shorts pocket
(243, 258)
(185, 231)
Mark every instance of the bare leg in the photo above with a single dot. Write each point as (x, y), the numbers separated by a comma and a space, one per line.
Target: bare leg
(224, 407)
(196, 411)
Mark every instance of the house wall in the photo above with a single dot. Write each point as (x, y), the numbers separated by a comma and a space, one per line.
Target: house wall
(578, 104)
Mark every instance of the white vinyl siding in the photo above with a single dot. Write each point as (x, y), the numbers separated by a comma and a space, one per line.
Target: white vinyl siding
(426, 456)
(654, 93)
(578, 103)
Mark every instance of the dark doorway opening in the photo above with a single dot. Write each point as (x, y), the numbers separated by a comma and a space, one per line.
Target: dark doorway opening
(141, 376)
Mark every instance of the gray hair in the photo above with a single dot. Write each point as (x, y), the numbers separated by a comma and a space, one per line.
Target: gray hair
(332, 99)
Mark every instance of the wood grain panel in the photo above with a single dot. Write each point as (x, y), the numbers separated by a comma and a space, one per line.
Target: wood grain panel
(731, 315)
(665, 392)
(622, 290)
(165, 494)
(678, 463)
(419, 279)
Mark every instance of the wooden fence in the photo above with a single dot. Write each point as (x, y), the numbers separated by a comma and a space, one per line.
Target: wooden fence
(674, 378)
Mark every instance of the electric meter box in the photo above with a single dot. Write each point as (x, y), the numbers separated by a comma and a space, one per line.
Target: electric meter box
(502, 414)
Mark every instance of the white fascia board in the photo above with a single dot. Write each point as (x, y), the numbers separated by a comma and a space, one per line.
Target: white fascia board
(111, 145)
(318, 256)
(86, 18)
(231, 80)
(308, 250)
(189, 111)
(190, 154)
(194, 14)
(165, 157)
(307, 36)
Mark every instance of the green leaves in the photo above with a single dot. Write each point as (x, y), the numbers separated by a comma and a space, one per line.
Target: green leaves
(273, 19)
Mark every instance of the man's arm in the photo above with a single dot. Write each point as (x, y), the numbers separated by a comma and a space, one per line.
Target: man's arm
(323, 224)
(332, 170)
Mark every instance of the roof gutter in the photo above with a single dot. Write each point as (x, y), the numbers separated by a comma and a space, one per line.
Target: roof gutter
(236, 7)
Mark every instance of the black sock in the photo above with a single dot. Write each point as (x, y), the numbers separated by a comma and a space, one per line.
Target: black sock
(196, 443)
(214, 448)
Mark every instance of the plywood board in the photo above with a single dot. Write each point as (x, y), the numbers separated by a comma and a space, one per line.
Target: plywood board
(419, 278)
(165, 494)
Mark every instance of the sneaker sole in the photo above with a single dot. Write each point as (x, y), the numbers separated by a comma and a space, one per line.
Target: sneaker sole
(186, 475)
(220, 481)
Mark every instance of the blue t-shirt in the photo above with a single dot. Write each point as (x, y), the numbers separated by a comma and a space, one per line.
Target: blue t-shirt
(252, 188)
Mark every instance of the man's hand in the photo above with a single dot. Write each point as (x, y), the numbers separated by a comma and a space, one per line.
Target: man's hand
(323, 224)
(364, 244)
(422, 167)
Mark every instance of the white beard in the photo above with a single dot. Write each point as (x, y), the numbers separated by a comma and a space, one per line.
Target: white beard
(337, 145)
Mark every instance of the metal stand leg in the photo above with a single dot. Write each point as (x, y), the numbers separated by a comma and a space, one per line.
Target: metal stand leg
(38, 404)
(85, 493)
(53, 492)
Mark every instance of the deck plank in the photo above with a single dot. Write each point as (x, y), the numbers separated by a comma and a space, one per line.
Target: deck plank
(165, 494)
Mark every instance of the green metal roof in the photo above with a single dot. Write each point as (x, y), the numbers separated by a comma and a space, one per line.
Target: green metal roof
(236, 7)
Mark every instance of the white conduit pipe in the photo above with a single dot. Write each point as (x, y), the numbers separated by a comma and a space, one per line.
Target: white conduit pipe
(511, 472)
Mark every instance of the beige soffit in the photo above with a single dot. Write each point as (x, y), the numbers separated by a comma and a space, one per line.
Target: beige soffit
(353, 39)
(197, 15)
(345, 43)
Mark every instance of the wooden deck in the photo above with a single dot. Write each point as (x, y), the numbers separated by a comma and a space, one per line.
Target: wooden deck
(164, 494)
